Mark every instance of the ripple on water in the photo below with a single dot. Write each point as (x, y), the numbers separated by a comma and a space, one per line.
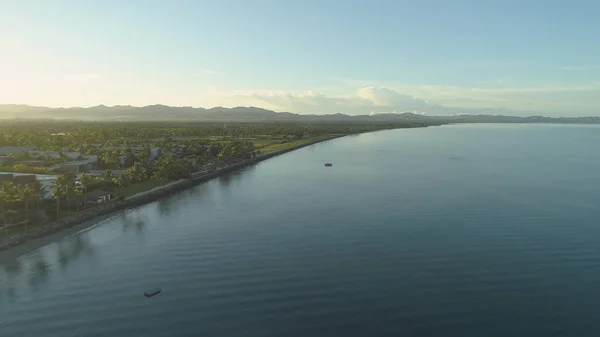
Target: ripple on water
(418, 241)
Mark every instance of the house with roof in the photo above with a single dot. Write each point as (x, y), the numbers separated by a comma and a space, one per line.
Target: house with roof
(6, 160)
(74, 167)
(14, 150)
(23, 179)
(99, 196)
(33, 163)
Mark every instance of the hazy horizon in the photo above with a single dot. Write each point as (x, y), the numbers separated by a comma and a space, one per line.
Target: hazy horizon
(309, 57)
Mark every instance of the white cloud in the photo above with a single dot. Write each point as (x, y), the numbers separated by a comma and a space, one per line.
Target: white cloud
(582, 99)
(364, 100)
(385, 97)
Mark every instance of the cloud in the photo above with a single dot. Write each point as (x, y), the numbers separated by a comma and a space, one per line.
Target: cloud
(385, 97)
(365, 100)
(581, 99)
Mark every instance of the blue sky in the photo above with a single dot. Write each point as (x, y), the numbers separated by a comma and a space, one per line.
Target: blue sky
(305, 56)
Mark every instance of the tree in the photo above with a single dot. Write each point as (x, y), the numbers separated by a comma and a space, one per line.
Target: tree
(26, 194)
(59, 190)
(3, 201)
(144, 154)
(70, 193)
(38, 190)
(86, 181)
(172, 167)
(107, 175)
(9, 194)
(137, 172)
(121, 179)
(129, 157)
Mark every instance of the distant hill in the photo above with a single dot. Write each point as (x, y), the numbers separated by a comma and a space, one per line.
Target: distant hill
(253, 114)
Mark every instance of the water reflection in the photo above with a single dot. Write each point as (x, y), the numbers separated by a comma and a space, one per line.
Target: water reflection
(38, 272)
(165, 206)
(36, 268)
(13, 268)
(227, 180)
(63, 255)
(133, 220)
(177, 202)
(11, 293)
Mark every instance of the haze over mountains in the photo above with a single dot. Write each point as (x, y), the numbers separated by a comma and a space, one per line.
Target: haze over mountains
(254, 114)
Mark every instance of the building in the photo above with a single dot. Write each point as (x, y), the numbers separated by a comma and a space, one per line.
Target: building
(75, 167)
(71, 155)
(6, 160)
(136, 150)
(33, 163)
(92, 159)
(46, 181)
(5, 176)
(98, 197)
(14, 150)
(44, 154)
(22, 180)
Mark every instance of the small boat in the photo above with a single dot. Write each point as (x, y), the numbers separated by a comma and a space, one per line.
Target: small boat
(328, 164)
(152, 292)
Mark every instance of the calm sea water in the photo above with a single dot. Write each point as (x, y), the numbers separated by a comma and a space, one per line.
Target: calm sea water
(473, 230)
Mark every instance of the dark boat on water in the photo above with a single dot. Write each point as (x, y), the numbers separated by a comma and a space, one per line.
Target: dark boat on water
(152, 292)
(328, 164)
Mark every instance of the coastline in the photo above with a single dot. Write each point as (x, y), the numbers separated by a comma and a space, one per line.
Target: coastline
(38, 237)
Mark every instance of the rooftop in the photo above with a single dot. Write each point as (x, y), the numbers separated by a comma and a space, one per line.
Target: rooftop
(37, 176)
(4, 150)
(72, 163)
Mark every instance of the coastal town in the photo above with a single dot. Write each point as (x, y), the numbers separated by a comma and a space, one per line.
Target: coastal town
(51, 170)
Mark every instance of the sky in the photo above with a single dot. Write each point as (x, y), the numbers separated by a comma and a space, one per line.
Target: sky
(522, 57)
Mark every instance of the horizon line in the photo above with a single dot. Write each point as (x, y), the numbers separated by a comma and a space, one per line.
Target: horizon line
(424, 114)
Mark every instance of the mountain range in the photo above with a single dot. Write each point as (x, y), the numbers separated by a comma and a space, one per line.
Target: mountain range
(252, 114)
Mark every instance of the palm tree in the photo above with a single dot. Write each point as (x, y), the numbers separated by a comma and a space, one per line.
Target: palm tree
(137, 172)
(86, 181)
(3, 201)
(59, 190)
(7, 214)
(11, 193)
(108, 175)
(8, 195)
(37, 190)
(69, 193)
(26, 194)
(121, 179)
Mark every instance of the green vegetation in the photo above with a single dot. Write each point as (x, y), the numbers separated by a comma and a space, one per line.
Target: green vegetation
(16, 205)
(288, 145)
(146, 185)
(127, 158)
(21, 168)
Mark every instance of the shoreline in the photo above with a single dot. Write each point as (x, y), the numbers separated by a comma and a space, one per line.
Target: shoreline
(48, 233)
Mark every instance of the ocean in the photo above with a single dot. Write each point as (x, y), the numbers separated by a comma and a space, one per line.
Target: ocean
(460, 230)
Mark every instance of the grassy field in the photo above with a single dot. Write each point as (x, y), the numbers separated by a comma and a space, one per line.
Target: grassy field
(289, 145)
(259, 143)
(132, 189)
